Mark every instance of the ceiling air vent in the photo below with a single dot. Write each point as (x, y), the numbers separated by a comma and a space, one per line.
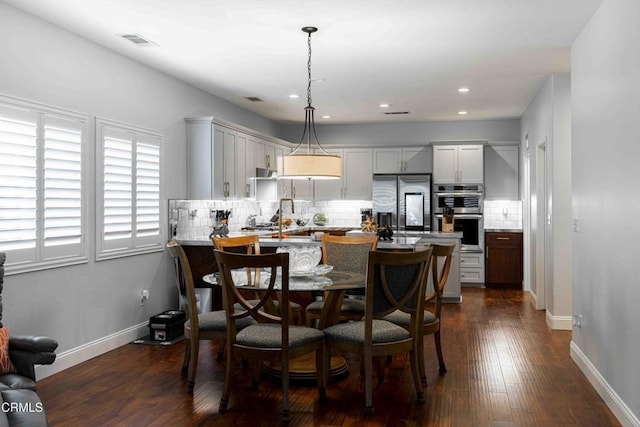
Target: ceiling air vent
(395, 113)
(137, 39)
(254, 99)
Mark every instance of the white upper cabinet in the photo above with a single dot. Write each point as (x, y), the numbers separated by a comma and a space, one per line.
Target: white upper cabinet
(502, 172)
(211, 159)
(221, 160)
(357, 176)
(402, 160)
(458, 164)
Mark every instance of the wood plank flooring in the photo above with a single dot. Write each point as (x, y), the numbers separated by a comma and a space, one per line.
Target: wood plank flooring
(505, 368)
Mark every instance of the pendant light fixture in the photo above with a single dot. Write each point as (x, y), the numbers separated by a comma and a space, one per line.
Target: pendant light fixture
(305, 161)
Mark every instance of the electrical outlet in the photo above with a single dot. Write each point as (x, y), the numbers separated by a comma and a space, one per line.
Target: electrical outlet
(577, 320)
(212, 213)
(576, 226)
(144, 295)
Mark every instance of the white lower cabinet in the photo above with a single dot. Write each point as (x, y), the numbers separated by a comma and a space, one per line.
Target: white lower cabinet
(452, 289)
(472, 267)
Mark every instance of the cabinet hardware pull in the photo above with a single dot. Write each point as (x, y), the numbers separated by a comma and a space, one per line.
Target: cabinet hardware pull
(503, 238)
(268, 161)
(248, 192)
(487, 253)
(294, 192)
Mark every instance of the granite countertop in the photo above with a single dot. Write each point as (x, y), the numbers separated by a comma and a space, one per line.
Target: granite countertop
(503, 230)
(396, 243)
(400, 240)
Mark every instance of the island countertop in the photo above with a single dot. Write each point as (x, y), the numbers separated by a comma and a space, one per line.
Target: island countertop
(399, 242)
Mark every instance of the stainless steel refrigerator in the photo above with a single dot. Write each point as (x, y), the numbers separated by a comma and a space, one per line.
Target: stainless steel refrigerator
(402, 202)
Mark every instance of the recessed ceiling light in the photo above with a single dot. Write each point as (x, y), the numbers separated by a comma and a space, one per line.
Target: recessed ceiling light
(463, 89)
(385, 105)
(326, 117)
(462, 113)
(294, 96)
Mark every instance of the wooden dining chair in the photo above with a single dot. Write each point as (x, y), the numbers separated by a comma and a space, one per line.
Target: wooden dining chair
(395, 281)
(440, 267)
(250, 244)
(344, 253)
(198, 326)
(272, 337)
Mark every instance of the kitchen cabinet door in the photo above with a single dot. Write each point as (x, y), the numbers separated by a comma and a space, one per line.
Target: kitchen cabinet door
(501, 177)
(471, 164)
(357, 174)
(445, 164)
(458, 164)
(387, 160)
(417, 160)
(504, 263)
(213, 157)
(330, 189)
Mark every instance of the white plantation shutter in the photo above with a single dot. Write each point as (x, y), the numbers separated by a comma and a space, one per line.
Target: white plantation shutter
(147, 190)
(63, 193)
(18, 182)
(118, 178)
(129, 191)
(42, 198)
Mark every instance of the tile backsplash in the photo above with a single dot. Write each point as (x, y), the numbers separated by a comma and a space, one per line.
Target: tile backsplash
(502, 214)
(190, 219)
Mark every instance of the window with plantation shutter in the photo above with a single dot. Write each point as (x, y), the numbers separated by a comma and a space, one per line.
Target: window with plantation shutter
(128, 199)
(42, 189)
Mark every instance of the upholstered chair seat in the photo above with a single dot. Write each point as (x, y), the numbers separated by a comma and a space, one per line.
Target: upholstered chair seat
(353, 332)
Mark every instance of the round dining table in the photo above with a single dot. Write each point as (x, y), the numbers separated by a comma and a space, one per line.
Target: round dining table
(332, 286)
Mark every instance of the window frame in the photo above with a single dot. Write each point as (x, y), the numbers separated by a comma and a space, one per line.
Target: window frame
(43, 257)
(110, 249)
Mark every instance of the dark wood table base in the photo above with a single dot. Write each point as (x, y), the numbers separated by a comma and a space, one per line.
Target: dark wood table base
(303, 369)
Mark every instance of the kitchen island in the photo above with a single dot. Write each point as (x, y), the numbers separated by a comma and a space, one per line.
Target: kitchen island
(199, 250)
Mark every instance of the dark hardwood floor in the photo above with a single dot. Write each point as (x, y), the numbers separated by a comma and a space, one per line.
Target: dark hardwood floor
(505, 368)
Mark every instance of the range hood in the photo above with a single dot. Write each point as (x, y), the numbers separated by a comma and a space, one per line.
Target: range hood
(266, 173)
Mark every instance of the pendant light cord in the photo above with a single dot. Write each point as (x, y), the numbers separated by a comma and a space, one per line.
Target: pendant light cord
(309, 71)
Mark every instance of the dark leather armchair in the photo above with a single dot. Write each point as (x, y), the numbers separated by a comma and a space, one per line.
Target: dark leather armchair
(19, 388)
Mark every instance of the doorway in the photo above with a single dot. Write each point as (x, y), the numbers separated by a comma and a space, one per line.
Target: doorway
(540, 213)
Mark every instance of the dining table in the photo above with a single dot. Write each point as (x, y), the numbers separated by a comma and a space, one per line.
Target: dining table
(323, 282)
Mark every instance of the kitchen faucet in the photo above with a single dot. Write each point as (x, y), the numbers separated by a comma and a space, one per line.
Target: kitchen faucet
(280, 216)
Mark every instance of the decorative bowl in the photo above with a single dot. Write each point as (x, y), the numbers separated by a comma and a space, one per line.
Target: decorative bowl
(302, 259)
(320, 219)
(301, 222)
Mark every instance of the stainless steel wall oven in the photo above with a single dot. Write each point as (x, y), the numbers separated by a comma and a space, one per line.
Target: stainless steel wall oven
(467, 203)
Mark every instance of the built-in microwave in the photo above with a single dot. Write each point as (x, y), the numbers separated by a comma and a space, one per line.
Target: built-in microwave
(461, 198)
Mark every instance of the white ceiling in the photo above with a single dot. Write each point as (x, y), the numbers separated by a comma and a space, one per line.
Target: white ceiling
(412, 54)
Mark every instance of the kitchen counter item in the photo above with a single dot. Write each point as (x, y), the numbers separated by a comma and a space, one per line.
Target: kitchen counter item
(320, 219)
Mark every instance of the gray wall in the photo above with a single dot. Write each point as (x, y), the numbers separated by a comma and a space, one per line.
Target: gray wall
(410, 133)
(547, 122)
(605, 63)
(40, 62)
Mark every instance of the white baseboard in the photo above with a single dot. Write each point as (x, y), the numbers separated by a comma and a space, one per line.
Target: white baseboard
(564, 323)
(80, 354)
(608, 394)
